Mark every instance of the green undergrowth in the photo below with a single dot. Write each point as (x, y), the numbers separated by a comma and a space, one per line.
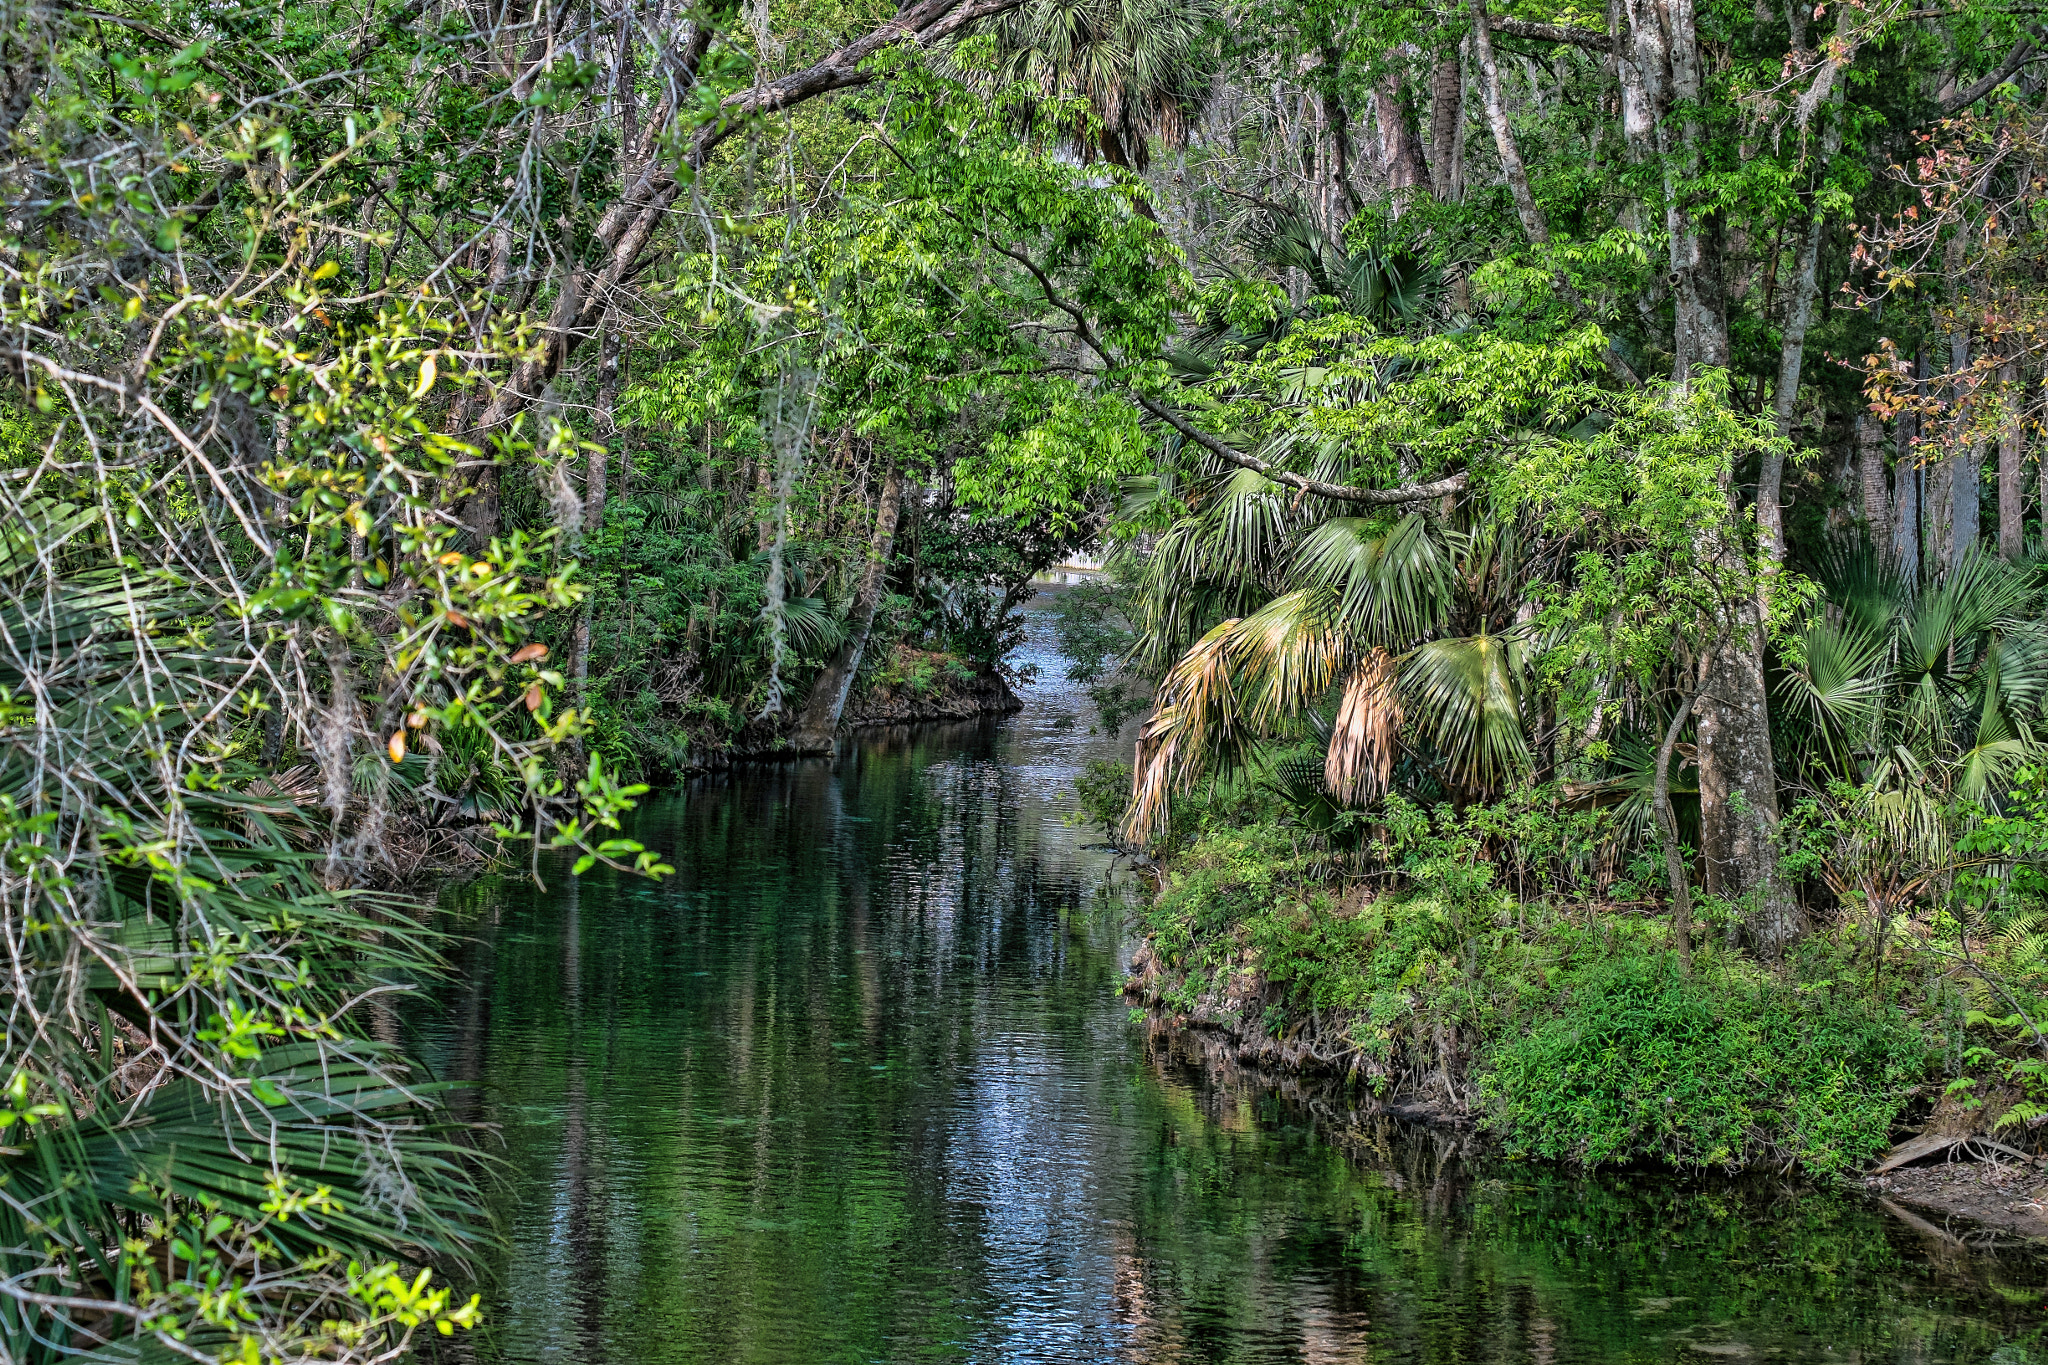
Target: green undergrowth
(1566, 1029)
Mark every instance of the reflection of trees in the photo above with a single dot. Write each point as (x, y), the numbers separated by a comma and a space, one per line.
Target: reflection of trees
(1436, 1255)
(706, 1167)
(718, 1173)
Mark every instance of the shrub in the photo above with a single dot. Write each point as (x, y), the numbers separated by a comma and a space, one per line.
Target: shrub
(1730, 1069)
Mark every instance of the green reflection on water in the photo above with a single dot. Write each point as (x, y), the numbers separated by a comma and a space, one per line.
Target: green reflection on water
(855, 1085)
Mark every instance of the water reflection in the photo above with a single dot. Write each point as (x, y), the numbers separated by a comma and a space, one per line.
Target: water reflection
(855, 1085)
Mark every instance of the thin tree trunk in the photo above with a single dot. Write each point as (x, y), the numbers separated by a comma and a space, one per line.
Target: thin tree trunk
(1870, 474)
(1770, 510)
(1906, 498)
(2012, 492)
(593, 516)
(1511, 164)
(817, 727)
(1339, 202)
(1935, 503)
(1966, 478)
(1667, 827)
(1446, 113)
(2042, 502)
(1533, 222)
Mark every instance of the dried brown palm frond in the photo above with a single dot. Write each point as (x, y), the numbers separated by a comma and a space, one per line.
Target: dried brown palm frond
(1360, 764)
(1199, 714)
(300, 785)
(1244, 679)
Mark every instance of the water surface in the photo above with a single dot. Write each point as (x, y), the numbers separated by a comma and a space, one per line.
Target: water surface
(856, 1085)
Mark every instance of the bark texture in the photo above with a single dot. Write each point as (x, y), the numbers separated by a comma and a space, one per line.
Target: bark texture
(1739, 783)
(1966, 467)
(1870, 475)
(1906, 499)
(1446, 117)
(2012, 489)
(1400, 144)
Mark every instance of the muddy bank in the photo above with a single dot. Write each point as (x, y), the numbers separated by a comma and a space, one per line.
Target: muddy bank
(946, 697)
(1225, 1035)
(1970, 1195)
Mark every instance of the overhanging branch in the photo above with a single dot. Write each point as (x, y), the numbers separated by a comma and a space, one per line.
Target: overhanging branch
(2021, 54)
(1223, 450)
(1339, 492)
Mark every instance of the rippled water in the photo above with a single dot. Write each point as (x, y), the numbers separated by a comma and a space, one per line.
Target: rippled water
(855, 1085)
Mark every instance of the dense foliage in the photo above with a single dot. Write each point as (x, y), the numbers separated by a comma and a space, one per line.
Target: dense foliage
(1544, 464)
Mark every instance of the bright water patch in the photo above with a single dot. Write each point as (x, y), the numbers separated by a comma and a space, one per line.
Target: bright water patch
(856, 1085)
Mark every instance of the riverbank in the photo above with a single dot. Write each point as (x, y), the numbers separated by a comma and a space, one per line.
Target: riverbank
(911, 686)
(1568, 1032)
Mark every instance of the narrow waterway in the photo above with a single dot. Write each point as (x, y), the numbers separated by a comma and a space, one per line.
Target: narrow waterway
(855, 1084)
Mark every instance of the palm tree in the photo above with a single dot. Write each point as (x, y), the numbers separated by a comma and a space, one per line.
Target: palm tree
(153, 1101)
(1259, 606)
(1403, 628)
(1931, 693)
(1391, 288)
(1139, 69)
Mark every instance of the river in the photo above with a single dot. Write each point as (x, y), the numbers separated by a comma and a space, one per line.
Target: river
(855, 1084)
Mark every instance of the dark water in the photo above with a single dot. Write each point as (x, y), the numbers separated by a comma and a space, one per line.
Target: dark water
(856, 1085)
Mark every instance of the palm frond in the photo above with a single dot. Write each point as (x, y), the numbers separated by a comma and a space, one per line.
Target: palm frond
(1837, 687)
(1395, 583)
(1466, 696)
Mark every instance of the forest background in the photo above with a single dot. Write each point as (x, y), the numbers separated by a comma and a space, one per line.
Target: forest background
(1571, 478)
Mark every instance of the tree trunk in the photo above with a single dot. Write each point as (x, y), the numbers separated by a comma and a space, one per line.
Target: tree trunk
(1661, 80)
(1667, 828)
(1739, 780)
(1770, 484)
(1400, 143)
(1517, 173)
(1906, 498)
(817, 728)
(2012, 491)
(1966, 477)
(1935, 475)
(1770, 510)
(1446, 113)
(1337, 200)
(1870, 474)
(593, 518)
(2043, 500)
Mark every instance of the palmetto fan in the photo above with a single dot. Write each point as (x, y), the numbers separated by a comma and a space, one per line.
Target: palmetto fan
(158, 931)
(1934, 691)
